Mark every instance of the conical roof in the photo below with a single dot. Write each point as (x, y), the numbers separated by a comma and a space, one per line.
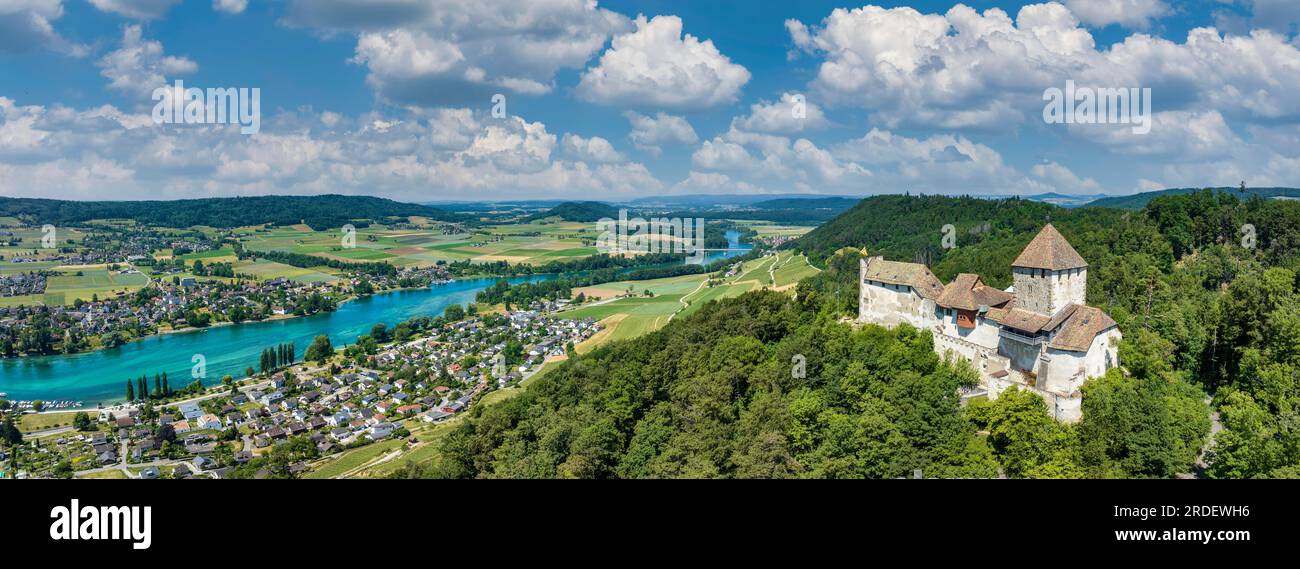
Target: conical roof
(1049, 250)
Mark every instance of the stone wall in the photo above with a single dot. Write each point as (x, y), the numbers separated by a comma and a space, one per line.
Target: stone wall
(890, 307)
(1053, 290)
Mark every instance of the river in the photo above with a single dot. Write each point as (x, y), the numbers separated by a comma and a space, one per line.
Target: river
(100, 376)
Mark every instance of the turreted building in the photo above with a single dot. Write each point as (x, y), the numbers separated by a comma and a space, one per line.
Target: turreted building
(1038, 335)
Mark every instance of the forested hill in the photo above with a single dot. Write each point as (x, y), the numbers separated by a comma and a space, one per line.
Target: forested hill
(319, 212)
(834, 203)
(714, 395)
(910, 228)
(1139, 201)
(579, 211)
(1204, 287)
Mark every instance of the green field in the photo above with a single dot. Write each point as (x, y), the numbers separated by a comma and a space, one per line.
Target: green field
(792, 269)
(114, 474)
(31, 422)
(422, 247)
(351, 459)
(767, 228)
(222, 255)
(264, 269)
(94, 280)
(676, 297)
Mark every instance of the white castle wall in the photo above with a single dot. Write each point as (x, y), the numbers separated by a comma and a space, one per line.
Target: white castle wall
(1071, 286)
(985, 332)
(1022, 356)
(1066, 407)
(891, 305)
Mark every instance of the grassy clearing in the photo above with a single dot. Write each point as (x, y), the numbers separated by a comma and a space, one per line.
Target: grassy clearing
(351, 459)
(91, 282)
(114, 474)
(264, 269)
(32, 422)
(531, 243)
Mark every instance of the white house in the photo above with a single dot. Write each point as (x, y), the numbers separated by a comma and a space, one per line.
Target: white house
(210, 422)
(1039, 335)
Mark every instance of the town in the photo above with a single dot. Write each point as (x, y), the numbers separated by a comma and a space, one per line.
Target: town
(175, 297)
(277, 423)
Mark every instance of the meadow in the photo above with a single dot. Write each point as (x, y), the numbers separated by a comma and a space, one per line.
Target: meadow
(84, 282)
(675, 297)
(530, 243)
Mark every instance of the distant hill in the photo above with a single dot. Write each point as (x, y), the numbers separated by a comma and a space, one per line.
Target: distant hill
(834, 204)
(319, 212)
(1065, 200)
(578, 211)
(1139, 201)
(712, 200)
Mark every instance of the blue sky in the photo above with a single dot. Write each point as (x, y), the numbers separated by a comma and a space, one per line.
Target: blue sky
(627, 99)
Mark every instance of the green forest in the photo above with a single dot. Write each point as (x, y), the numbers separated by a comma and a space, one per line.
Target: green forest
(1204, 287)
(318, 212)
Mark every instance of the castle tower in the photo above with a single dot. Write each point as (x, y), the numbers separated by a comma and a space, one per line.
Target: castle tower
(1049, 274)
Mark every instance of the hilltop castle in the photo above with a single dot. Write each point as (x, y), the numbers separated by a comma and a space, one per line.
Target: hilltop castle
(1037, 335)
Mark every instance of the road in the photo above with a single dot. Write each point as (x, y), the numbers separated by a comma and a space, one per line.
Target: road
(48, 432)
(125, 467)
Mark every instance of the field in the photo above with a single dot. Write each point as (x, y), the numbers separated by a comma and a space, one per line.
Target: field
(93, 280)
(791, 269)
(532, 243)
(31, 238)
(264, 269)
(31, 422)
(350, 460)
(678, 296)
(768, 229)
(222, 255)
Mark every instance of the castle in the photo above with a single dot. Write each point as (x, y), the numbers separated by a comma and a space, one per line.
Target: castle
(1038, 335)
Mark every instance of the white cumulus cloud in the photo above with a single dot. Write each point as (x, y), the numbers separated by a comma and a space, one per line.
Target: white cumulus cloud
(137, 9)
(230, 6)
(461, 52)
(26, 25)
(140, 65)
(1128, 13)
(659, 67)
(650, 132)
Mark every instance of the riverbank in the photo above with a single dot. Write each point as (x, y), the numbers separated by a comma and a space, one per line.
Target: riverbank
(100, 376)
(192, 329)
